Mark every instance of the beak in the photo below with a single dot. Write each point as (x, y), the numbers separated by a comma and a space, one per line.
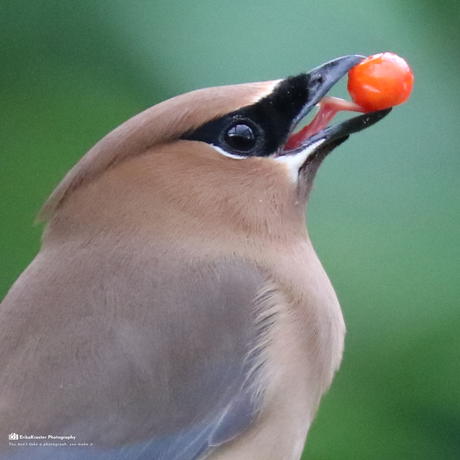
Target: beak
(320, 81)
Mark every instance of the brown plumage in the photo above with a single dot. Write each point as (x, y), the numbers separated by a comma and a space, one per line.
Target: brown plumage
(177, 309)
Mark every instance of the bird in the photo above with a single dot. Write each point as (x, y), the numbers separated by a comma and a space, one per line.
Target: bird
(177, 309)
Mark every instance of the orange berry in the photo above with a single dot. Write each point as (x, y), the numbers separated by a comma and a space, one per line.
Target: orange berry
(380, 81)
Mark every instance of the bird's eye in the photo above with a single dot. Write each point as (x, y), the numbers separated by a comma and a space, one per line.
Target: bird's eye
(240, 137)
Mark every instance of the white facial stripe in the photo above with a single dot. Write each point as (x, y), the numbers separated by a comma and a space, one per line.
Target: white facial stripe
(294, 162)
(227, 154)
(267, 90)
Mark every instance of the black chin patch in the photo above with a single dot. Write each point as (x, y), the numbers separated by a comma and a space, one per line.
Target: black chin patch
(260, 129)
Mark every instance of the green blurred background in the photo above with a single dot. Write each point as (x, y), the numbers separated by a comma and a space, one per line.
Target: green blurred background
(384, 215)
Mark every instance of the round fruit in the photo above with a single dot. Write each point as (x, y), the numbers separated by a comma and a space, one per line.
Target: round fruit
(380, 81)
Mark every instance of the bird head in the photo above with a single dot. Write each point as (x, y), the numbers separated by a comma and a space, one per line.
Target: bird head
(231, 152)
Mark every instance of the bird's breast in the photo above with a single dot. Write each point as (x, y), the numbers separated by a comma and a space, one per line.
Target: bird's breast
(300, 353)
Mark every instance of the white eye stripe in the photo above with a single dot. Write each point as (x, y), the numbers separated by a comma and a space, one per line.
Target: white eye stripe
(227, 154)
(271, 85)
(295, 161)
(292, 162)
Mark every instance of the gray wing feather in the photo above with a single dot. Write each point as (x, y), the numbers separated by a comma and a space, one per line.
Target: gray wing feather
(155, 358)
(189, 445)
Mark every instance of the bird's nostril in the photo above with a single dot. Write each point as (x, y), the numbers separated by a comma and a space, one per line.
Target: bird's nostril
(318, 79)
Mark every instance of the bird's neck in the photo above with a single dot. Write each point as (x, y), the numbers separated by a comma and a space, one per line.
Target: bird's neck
(170, 190)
